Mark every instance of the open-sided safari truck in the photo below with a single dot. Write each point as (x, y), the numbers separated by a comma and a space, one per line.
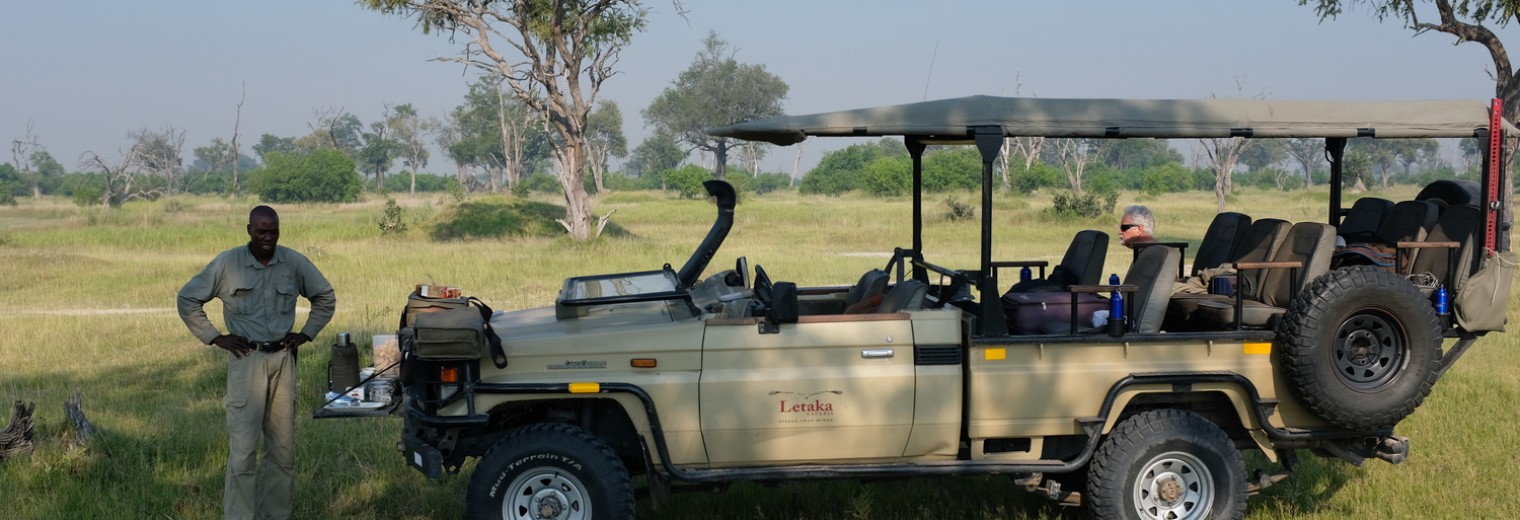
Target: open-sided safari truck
(921, 369)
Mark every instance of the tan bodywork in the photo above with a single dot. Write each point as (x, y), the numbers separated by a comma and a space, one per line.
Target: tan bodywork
(835, 389)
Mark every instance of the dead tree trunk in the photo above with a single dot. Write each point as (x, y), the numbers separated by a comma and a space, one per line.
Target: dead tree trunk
(83, 430)
(16, 439)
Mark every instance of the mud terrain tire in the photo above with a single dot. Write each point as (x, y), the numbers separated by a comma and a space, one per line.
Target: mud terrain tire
(1166, 464)
(550, 470)
(1361, 347)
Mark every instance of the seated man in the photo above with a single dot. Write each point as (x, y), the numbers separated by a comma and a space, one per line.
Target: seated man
(1137, 226)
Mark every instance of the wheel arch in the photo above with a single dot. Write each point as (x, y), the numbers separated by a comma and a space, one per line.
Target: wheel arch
(1227, 404)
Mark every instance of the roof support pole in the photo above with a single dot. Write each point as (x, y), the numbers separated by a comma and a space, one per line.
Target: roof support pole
(916, 151)
(1335, 151)
(989, 142)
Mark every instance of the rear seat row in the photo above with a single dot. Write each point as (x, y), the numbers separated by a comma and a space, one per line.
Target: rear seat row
(1275, 261)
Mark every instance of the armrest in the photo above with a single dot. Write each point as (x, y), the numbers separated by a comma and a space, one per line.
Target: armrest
(1179, 245)
(1424, 245)
(1267, 265)
(1102, 288)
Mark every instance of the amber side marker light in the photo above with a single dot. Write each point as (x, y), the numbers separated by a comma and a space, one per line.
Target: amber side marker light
(448, 374)
(585, 388)
(642, 363)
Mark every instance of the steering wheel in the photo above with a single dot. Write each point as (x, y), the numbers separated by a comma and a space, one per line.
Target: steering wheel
(957, 288)
(763, 285)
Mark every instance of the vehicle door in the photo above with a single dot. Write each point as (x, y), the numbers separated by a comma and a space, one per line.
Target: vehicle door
(828, 388)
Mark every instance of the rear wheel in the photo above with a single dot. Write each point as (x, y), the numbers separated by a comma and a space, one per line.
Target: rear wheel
(550, 471)
(1166, 464)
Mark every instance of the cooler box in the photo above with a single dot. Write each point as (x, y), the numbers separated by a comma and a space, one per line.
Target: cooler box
(1046, 312)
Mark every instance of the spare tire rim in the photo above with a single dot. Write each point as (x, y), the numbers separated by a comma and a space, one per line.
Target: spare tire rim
(1369, 350)
(1174, 485)
(546, 493)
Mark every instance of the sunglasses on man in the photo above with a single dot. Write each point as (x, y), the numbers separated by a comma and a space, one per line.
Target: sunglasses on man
(1127, 227)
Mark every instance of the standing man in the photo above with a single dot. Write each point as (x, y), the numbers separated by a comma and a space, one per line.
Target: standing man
(1137, 226)
(258, 284)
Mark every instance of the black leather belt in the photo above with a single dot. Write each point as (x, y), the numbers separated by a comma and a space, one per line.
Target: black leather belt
(269, 346)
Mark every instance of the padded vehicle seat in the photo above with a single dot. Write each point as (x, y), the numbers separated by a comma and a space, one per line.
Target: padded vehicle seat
(1224, 235)
(1457, 224)
(1081, 265)
(1409, 220)
(907, 295)
(1311, 244)
(1364, 218)
(871, 283)
(1152, 272)
(1261, 242)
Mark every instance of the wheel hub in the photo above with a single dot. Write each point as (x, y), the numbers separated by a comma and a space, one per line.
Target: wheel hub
(1174, 486)
(1368, 351)
(550, 504)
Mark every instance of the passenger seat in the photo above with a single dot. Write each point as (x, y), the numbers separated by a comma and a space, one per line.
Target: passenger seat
(1309, 244)
(1082, 265)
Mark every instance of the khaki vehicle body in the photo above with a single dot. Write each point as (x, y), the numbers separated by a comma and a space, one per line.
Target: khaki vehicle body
(733, 377)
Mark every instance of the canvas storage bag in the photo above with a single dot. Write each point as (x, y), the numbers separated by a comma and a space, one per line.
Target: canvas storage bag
(450, 334)
(1483, 298)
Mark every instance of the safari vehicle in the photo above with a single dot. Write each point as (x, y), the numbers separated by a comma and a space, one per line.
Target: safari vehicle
(687, 379)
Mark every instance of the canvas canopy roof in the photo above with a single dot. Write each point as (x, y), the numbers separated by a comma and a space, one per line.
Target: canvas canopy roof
(949, 119)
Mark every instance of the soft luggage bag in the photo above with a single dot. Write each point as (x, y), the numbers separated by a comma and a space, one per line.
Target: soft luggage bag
(417, 305)
(1044, 313)
(450, 334)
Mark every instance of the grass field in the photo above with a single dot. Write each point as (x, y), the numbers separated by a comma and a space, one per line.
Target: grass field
(86, 304)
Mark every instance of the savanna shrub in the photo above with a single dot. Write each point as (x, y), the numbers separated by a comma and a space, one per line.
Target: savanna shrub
(392, 219)
(1088, 205)
(319, 176)
(687, 180)
(959, 211)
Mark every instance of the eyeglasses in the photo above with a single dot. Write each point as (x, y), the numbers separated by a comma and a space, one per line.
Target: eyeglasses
(1127, 227)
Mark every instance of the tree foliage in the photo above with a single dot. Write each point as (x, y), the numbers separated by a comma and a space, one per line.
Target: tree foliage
(716, 90)
(659, 152)
(320, 176)
(841, 170)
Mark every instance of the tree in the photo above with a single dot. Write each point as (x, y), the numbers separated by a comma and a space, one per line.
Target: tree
(270, 143)
(1463, 20)
(557, 55)
(715, 90)
(379, 150)
(658, 152)
(1264, 154)
(1409, 152)
(409, 131)
(1223, 154)
(333, 128)
(1308, 153)
(1073, 156)
(21, 154)
(1136, 154)
(158, 152)
(604, 139)
(841, 170)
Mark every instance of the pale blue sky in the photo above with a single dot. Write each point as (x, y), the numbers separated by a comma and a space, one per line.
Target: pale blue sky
(88, 71)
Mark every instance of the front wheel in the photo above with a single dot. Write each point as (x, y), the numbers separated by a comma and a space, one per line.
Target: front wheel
(550, 471)
(1166, 464)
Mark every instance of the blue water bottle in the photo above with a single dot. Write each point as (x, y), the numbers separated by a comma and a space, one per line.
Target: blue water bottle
(1025, 274)
(1115, 308)
(1443, 306)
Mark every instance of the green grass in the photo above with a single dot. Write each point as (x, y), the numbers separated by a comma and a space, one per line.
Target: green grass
(86, 303)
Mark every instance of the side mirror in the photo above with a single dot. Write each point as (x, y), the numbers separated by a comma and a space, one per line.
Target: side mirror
(783, 308)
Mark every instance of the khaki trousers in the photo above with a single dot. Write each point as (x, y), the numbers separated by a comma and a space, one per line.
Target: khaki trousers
(261, 400)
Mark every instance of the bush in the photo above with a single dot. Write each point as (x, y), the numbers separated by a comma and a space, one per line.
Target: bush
(1089, 205)
(539, 182)
(1039, 175)
(391, 220)
(959, 211)
(426, 182)
(687, 181)
(888, 177)
(499, 219)
(954, 169)
(319, 176)
(1166, 178)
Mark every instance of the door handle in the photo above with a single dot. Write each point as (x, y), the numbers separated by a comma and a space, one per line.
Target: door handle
(876, 353)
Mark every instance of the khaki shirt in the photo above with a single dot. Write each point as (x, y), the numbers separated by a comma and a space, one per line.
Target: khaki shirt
(258, 301)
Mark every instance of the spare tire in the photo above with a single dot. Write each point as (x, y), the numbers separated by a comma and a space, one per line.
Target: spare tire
(1360, 347)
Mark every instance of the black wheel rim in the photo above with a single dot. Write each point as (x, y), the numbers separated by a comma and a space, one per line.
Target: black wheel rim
(1369, 350)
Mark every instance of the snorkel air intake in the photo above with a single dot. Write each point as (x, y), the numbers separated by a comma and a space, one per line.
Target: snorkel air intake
(724, 192)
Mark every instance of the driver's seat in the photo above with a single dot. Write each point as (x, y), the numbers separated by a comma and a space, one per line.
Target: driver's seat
(872, 283)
